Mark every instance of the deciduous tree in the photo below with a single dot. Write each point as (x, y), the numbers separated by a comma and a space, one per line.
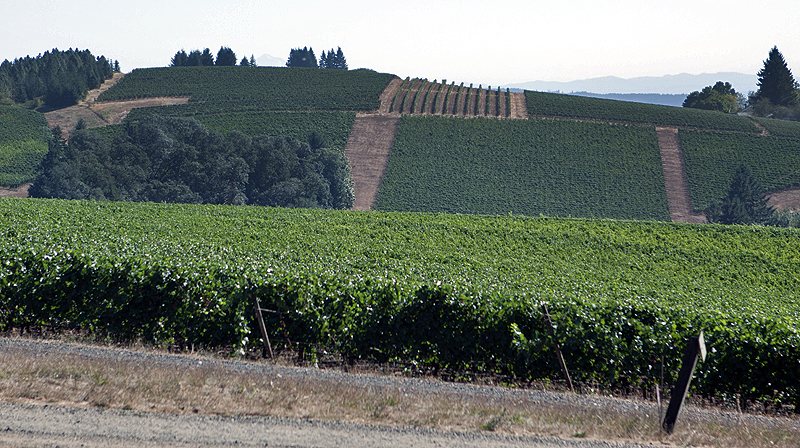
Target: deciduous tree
(721, 97)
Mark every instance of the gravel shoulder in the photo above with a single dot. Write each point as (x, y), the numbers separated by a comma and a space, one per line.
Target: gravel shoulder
(43, 404)
(43, 425)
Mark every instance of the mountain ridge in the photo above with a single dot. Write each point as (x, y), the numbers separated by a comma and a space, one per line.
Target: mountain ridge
(680, 84)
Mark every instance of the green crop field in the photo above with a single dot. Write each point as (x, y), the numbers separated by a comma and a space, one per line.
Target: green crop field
(572, 106)
(529, 167)
(448, 291)
(227, 89)
(780, 128)
(23, 143)
(712, 158)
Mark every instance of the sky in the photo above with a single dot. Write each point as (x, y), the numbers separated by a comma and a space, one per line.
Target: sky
(489, 42)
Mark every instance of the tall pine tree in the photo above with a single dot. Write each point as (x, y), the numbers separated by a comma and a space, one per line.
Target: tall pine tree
(745, 203)
(775, 81)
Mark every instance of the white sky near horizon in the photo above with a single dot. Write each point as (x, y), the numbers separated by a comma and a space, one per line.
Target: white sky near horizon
(490, 43)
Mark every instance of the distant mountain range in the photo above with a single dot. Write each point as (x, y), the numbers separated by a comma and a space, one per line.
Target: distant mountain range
(681, 84)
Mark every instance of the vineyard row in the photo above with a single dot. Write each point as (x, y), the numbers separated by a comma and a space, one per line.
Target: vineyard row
(422, 97)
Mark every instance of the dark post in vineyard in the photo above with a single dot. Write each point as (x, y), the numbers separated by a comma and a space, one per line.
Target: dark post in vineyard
(695, 348)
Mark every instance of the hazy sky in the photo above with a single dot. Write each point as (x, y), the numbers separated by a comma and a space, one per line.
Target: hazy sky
(491, 42)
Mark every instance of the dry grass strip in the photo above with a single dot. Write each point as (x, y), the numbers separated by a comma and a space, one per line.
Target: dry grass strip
(204, 385)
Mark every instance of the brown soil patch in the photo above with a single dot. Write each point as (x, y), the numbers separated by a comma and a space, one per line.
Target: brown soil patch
(19, 192)
(97, 114)
(785, 200)
(677, 183)
(519, 106)
(368, 148)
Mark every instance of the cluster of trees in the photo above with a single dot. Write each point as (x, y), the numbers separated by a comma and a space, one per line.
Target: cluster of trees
(162, 159)
(196, 58)
(720, 97)
(56, 78)
(304, 57)
(778, 93)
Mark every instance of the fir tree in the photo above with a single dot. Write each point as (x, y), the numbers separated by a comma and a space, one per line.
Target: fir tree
(340, 61)
(776, 82)
(302, 58)
(745, 203)
(180, 59)
(226, 56)
(207, 58)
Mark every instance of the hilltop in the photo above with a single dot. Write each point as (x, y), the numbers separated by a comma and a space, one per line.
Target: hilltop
(222, 99)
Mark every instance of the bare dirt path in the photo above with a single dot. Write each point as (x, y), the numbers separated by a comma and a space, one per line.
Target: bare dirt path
(677, 183)
(96, 114)
(367, 149)
(519, 106)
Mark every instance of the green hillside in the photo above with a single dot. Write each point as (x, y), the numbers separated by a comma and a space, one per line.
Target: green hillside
(23, 143)
(529, 167)
(712, 158)
(451, 291)
(238, 89)
(571, 106)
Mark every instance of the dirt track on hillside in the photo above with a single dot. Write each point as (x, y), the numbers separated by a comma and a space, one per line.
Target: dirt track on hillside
(97, 114)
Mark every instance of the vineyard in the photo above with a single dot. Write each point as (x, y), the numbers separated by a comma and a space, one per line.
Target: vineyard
(237, 89)
(529, 167)
(440, 291)
(571, 106)
(23, 143)
(780, 128)
(712, 158)
(422, 97)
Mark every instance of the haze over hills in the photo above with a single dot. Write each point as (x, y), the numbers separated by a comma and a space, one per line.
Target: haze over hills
(683, 84)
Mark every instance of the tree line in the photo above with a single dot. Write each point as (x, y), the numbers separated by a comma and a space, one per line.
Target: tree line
(778, 94)
(171, 159)
(304, 57)
(55, 79)
(196, 58)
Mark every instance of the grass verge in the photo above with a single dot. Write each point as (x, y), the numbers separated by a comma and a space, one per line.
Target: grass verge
(204, 384)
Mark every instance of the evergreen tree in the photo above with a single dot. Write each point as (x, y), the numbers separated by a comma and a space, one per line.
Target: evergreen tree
(776, 82)
(195, 59)
(116, 66)
(745, 202)
(253, 61)
(245, 62)
(226, 57)
(323, 61)
(340, 61)
(180, 59)
(207, 59)
(302, 58)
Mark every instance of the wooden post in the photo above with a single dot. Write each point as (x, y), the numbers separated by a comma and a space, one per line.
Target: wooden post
(695, 348)
(260, 319)
(561, 362)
